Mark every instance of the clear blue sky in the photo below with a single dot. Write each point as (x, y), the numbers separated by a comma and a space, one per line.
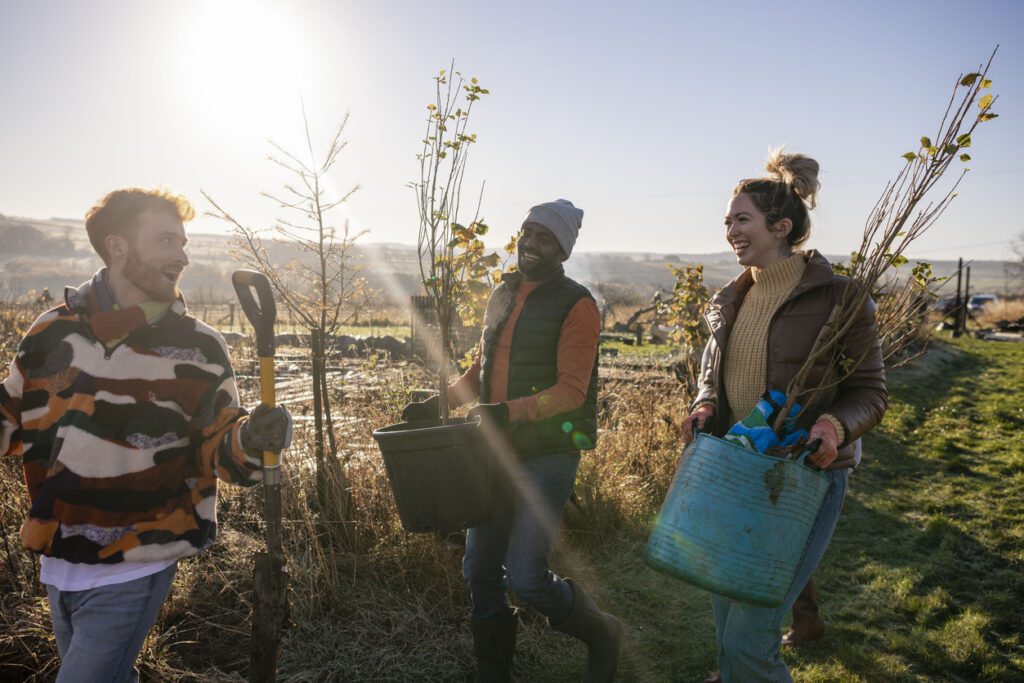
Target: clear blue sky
(644, 114)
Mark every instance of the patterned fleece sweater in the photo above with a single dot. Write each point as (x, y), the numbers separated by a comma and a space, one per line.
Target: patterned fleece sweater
(124, 428)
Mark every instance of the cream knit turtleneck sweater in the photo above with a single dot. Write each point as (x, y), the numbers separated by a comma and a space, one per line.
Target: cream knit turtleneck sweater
(746, 354)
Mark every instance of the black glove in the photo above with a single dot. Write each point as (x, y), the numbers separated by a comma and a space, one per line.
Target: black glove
(267, 429)
(419, 411)
(495, 414)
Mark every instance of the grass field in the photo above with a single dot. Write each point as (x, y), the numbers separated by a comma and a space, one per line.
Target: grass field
(924, 580)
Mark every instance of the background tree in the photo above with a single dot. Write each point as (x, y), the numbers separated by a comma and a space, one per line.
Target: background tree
(322, 287)
(1015, 267)
(683, 310)
(477, 272)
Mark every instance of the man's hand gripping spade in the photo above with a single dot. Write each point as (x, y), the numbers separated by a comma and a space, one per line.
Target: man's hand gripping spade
(270, 575)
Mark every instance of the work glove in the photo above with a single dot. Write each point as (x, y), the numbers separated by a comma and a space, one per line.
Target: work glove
(701, 416)
(494, 414)
(419, 411)
(829, 448)
(267, 429)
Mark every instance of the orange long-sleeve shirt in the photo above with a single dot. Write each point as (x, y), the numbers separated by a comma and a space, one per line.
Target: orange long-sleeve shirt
(577, 351)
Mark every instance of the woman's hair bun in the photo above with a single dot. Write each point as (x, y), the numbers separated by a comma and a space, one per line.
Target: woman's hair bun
(796, 170)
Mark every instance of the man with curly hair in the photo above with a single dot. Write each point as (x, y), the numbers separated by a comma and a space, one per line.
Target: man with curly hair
(125, 413)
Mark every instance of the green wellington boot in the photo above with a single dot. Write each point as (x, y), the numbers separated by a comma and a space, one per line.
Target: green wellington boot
(494, 643)
(599, 630)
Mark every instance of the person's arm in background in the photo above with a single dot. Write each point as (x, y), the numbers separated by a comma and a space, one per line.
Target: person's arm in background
(10, 409)
(13, 387)
(466, 388)
(706, 394)
(703, 408)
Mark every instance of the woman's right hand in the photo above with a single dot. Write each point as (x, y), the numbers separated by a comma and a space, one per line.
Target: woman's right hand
(700, 416)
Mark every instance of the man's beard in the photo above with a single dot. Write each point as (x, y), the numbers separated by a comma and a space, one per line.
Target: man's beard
(149, 278)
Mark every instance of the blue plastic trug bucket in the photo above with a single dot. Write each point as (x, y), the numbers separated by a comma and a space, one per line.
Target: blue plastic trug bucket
(736, 522)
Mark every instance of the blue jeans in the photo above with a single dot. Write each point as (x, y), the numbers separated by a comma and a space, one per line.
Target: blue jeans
(511, 549)
(100, 631)
(749, 636)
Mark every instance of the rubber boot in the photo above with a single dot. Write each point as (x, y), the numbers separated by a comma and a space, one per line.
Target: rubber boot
(807, 624)
(494, 644)
(599, 630)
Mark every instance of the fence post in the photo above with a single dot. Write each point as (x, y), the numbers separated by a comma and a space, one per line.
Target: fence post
(318, 415)
(967, 297)
(958, 304)
(412, 324)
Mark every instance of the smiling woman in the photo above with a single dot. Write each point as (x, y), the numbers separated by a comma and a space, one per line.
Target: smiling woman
(245, 67)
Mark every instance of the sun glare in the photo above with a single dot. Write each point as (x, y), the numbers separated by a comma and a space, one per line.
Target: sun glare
(245, 68)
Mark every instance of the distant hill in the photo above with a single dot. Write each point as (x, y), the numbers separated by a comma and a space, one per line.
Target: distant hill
(652, 270)
(56, 252)
(20, 238)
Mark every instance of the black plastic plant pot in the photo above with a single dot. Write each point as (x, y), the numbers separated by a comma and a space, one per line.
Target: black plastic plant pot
(442, 477)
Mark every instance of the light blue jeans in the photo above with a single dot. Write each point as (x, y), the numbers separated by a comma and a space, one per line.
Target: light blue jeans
(511, 549)
(749, 637)
(100, 631)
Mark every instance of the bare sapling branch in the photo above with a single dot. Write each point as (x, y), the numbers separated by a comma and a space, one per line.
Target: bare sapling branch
(442, 239)
(313, 268)
(895, 222)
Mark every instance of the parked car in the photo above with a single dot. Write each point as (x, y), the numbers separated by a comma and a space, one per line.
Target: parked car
(946, 306)
(979, 301)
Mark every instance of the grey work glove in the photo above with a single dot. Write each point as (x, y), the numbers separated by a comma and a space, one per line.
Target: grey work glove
(267, 429)
(419, 411)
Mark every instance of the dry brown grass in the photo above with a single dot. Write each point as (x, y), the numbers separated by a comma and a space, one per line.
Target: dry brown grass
(27, 649)
(381, 604)
(1004, 309)
(625, 479)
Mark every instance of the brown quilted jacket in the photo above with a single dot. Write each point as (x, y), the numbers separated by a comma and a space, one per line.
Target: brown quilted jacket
(858, 402)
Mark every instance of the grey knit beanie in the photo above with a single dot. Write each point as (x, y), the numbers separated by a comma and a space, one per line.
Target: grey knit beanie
(560, 217)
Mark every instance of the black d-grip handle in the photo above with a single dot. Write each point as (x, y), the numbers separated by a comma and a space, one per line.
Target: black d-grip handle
(260, 310)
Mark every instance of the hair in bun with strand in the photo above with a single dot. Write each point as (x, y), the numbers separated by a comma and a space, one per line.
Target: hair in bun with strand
(789, 191)
(799, 171)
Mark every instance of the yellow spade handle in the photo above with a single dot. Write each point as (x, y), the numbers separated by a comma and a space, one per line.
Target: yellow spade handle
(268, 397)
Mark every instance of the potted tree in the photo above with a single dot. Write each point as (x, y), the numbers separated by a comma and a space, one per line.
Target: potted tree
(441, 470)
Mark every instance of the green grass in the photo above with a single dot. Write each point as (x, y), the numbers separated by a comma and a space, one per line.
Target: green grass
(654, 353)
(924, 579)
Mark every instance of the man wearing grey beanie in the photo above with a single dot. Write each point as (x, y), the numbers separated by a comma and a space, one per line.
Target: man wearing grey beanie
(535, 380)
